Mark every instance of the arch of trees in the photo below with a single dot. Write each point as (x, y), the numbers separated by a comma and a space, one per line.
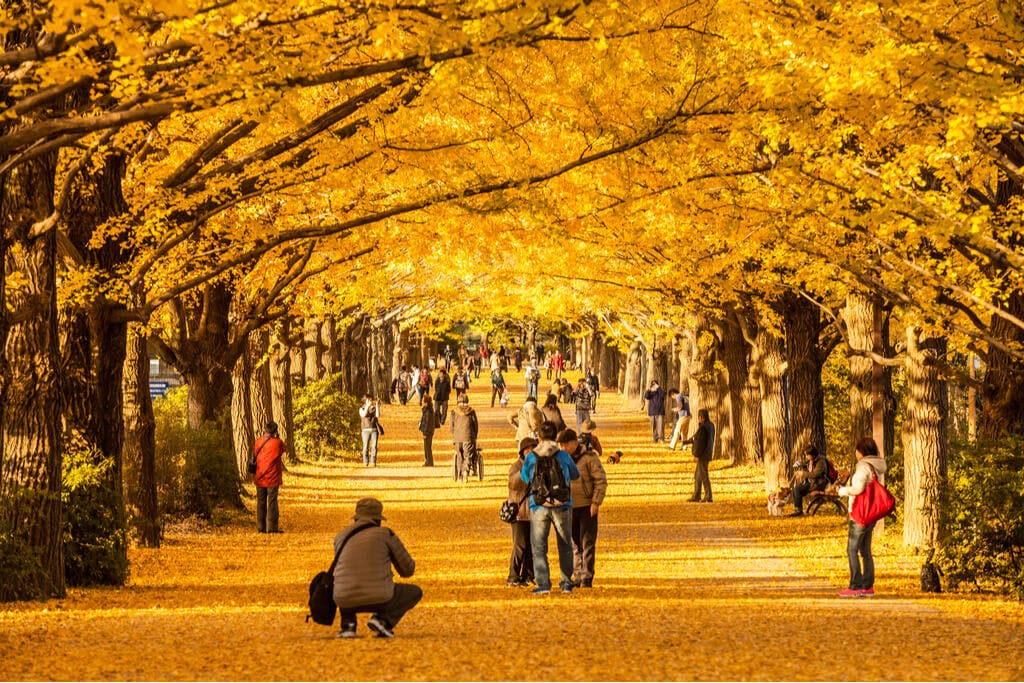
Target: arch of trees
(722, 195)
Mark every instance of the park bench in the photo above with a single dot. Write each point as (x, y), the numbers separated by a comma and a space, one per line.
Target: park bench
(828, 498)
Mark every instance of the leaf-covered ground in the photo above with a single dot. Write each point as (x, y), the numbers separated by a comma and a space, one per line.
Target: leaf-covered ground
(683, 591)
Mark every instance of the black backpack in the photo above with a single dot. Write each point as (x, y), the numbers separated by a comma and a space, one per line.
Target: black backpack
(549, 487)
(321, 589)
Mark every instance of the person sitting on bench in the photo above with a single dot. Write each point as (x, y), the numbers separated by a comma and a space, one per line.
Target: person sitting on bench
(817, 479)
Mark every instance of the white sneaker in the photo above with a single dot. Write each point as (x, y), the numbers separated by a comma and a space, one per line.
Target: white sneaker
(381, 627)
(347, 632)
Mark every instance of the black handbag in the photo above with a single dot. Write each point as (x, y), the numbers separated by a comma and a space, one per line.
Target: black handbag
(509, 512)
(321, 589)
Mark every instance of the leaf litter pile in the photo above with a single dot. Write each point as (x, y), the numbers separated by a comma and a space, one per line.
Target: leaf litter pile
(682, 590)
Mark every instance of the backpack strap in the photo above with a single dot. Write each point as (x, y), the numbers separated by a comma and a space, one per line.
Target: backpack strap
(337, 555)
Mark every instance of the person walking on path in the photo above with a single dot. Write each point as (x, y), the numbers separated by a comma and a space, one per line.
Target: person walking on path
(269, 451)
(532, 377)
(369, 423)
(403, 385)
(558, 363)
(520, 566)
(595, 388)
(553, 413)
(681, 410)
(460, 382)
(655, 398)
(703, 450)
(465, 427)
(442, 393)
(363, 581)
(587, 495)
(858, 539)
(428, 423)
(582, 398)
(497, 384)
(544, 513)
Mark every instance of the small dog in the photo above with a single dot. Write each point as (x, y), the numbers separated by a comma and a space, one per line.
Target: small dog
(615, 457)
(777, 502)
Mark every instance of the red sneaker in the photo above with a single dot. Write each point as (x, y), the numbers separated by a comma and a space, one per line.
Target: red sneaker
(867, 593)
(850, 593)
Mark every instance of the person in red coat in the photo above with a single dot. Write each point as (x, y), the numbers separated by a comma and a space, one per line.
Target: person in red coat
(269, 450)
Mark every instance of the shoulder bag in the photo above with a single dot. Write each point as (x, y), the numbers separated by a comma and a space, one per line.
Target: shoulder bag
(874, 503)
(250, 464)
(509, 511)
(321, 589)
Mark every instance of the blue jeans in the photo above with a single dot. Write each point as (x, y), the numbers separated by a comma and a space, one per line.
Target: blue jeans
(858, 542)
(531, 390)
(541, 520)
(370, 437)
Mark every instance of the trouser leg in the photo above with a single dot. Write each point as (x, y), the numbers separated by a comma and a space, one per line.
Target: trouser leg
(799, 491)
(261, 509)
(366, 446)
(587, 542)
(428, 450)
(406, 597)
(577, 544)
(540, 525)
(374, 436)
(272, 511)
(562, 520)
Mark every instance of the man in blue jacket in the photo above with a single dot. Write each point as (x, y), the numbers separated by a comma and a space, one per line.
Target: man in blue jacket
(548, 511)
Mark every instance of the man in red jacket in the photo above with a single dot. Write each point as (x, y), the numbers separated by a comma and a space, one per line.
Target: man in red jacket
(269, 450)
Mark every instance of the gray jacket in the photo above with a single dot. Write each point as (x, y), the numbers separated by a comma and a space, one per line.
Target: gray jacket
(363, 573)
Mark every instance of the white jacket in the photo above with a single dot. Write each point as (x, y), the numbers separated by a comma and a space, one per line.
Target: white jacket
(862, 477)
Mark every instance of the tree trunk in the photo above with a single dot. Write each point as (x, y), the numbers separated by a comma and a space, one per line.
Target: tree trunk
(94, 342)
(30, 472)
(805, 361)
(328, 346)
(740, 448)
(925, 439)
(140, 443)
(633, 381)
(711, 389)
(281, 387)
(608, 370)
(860, 317)
(772, 371)
(242, 432)
(314, 369)
(1003, 391)
(260, 394)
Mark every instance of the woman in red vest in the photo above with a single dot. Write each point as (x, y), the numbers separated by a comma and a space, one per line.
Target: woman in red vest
(269, 450)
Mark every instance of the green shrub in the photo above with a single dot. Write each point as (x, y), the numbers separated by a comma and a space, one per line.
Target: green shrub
(983, 517)
(326, 420)
(20, 565)
(95, 537)
(195, 468)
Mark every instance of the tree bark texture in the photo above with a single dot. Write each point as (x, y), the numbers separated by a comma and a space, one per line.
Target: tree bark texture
(712, 391)
(242, 429)
(741, 448)
(259, 382)
(807, 398)
(771, 375)
(281, 386)
(633, 386)
(1003, 390)
(314, 350)
(925, 438)
(859, 317)
(94, 342)
(140, 443)
(30, 472)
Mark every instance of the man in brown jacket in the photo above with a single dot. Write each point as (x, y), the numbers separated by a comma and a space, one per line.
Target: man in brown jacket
(464, 432)
(587, 495)
(362, 578)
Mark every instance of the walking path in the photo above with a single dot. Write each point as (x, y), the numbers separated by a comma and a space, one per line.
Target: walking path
(683, 591)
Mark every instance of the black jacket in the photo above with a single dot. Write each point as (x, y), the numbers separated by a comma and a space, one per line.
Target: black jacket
(442, 388)
(427, 421)
(704, 441)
